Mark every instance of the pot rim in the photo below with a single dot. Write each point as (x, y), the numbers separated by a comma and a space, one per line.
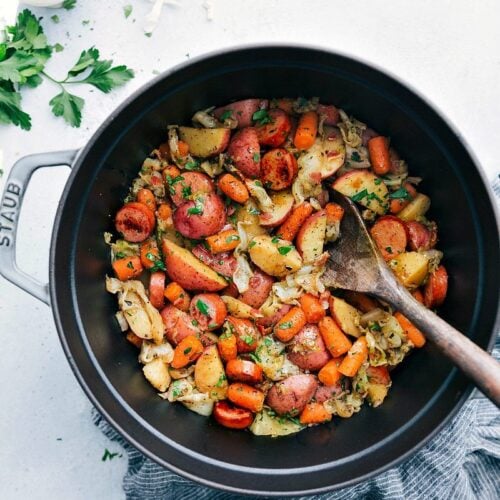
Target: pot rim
(194, 455)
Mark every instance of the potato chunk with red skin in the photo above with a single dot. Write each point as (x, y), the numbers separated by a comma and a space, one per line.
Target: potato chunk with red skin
(244, 150)
(259, 289)
(188, 185)
(275, 132)
(203, 217)
(307, 349)
(291, 395)
(208, 310)
(279, 168)
(241, 111)
(223, 263)
(178, 324)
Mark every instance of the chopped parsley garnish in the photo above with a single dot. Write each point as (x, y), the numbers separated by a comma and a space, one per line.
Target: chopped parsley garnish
(69, 4)
(248, 339)
(375, 327)
(192, 165)
(261, 117)
(254, 357)
(194, 322)
(186, 192)
(202, 307)
(285, 250)
(227, 114)
(109, 456)
(388, 249)
(377, 181)
(196, 210)
(359, 196)
(268, 342)
(258, 183)
(127, 10)
(221, 380)
(400, 194)
(119, 255)
(233, 237)
(254, 211)
(276, 239)
(355, 156)
(55, 18)
(130, 265)
(252, 244)
(256, 157)
(187, 350)
(284, 326)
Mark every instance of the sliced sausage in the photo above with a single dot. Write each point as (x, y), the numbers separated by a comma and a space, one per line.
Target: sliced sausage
(241, 111)
(187, 185)
(178, 324)
(291, 395)
(278, 169)
(389, 234)
(275, 132)
(208, 310)
(243, 370)
(330, 113)
(307, 349)
(135, 221)
(222, 263)
(436, 287)
(157, 289)
(200, 218)
(419, 236)
(260, 286)
(231, 416)
(244, 150)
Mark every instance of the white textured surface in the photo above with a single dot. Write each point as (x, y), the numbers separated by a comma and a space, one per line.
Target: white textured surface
(448, 50)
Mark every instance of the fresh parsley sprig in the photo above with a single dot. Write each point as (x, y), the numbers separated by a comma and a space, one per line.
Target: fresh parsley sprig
(24, 52)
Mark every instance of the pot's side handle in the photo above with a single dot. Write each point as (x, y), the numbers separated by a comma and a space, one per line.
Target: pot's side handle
(10, 208)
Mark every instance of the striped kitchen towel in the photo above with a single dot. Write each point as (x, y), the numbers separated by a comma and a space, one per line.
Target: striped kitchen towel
(461, 463)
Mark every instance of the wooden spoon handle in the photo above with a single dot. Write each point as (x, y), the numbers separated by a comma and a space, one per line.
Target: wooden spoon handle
(477, 364)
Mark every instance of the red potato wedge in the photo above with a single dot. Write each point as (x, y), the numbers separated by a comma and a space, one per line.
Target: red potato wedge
(191, 274)
(274, 134)
(307, 349)
(270, 321)
(419, 236)
(311, 237)
(378, 375)
(365, 188)
(205, 142)
(346, 316)
(283, 204)
(389, 233)
(222, 263)
(135, 221)
(203, 217)
(189, 184)
(244, 150)
(231, 416)
(329, 113)
(241, 111)
(259, 289)
(324, 392)
(278, 169)
(208, 310)
(291, 395)
(324, 157)
(178, 324)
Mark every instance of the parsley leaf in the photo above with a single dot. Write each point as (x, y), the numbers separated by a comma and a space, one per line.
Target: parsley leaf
(127, 10)
(10, 109)
(87, 58)
(68, 106)
(195, 211)
(109, 456)
(286, 325)
(285, 250)
(202, 307)
(355, 156)
(227, 114)
(105, 78)
(69, 4)
(261, 117)
(232, 237)
(58, 47)
(19, 66)
(400, 194)
(359, 196)
(55, 18)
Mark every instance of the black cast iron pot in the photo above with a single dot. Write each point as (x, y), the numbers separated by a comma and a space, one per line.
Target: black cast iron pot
(427, 390)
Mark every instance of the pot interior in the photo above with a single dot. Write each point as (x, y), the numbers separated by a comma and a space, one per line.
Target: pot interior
(425, 388)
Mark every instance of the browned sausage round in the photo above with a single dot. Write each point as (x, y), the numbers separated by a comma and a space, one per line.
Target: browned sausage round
(135, 221)
(419, 237)
(187, 185)
(178, 324)
(307, 349)
(278, 169)
(200, 218)
(208, 310)
(292, 394)
(231, 416)
(389, 234)
(275, 132)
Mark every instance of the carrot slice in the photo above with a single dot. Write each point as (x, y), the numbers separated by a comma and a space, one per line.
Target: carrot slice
(178, 296)
(227, 345)
(378, 148)
(329, 374)
(183, 148)
(335, 339)
(398, 204)
(128, 267)
(314, 413)
(188, 350)
(150, 254)
(246, 396)
(289, 229)
(415, 336)
(312, 308)
(334, 212)
(224, 241)
(356, 356)
(290, 324)
(233, 188)
(134, 339)
(307, 128)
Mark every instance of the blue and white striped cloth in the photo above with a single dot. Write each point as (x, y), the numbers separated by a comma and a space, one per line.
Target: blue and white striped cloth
(461, 463)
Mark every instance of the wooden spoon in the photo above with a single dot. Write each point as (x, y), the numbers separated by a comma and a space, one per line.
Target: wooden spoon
(355, 264)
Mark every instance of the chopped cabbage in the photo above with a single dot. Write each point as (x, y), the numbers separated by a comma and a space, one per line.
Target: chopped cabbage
(144, 320)
(270, 356)
(351, 129)
(345, 404)
(243, 271)
(258, 192)
(266, 423)
(151, 351)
